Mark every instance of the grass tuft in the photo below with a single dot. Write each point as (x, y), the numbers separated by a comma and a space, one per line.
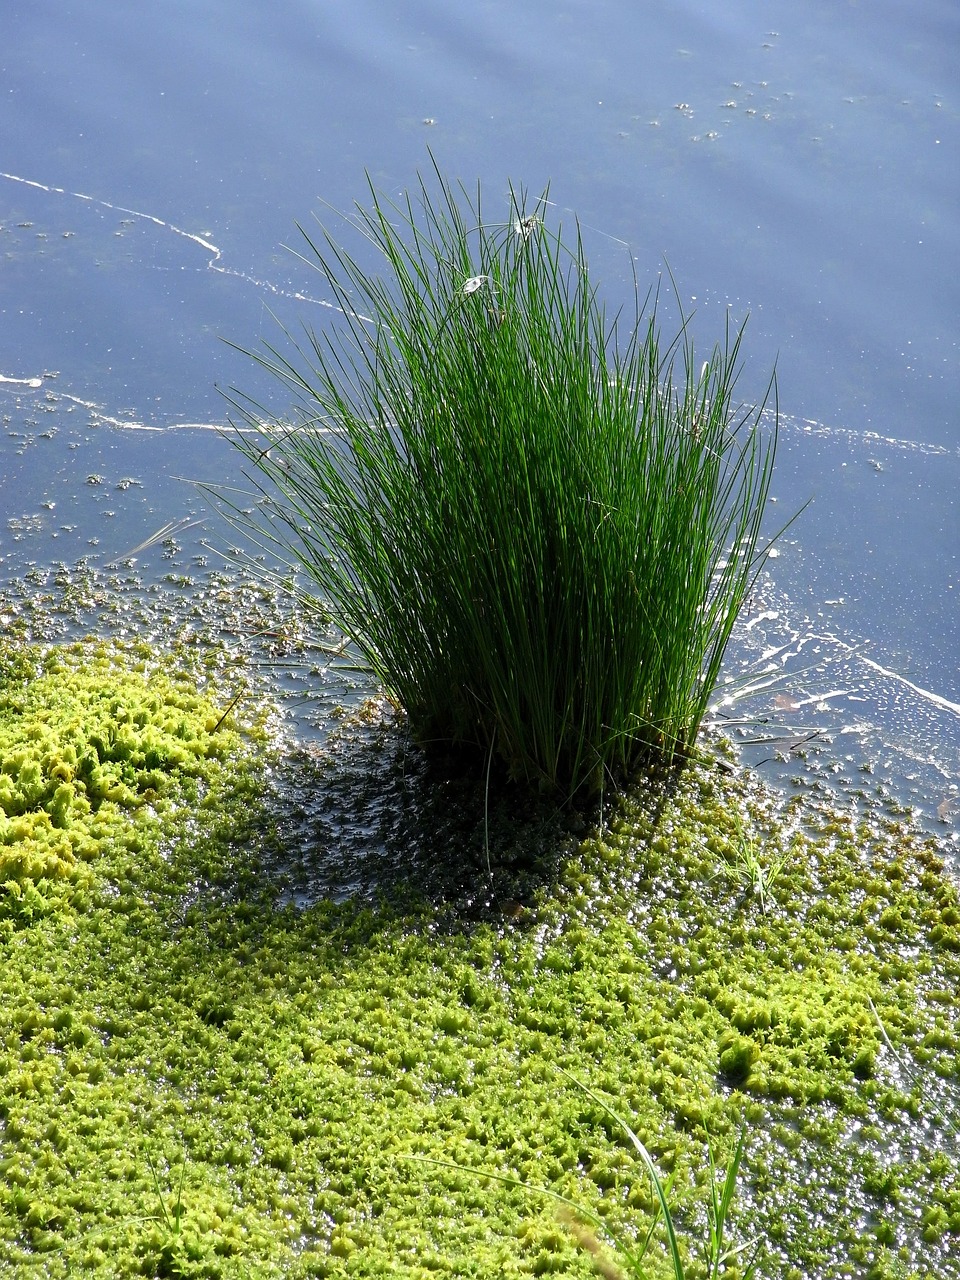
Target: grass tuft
(535, 522)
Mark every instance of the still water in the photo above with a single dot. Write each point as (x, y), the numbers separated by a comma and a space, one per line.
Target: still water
(795, 163)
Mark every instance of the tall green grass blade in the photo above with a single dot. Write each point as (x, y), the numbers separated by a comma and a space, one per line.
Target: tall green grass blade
(535, 523)
(659, 1189)
(721, 1203)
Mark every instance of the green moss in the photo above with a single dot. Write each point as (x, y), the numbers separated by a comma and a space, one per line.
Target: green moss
(93, 741)
(160, 1007)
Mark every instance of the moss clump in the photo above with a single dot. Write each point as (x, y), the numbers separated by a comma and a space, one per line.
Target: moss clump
(94, 742)
(196, 1081)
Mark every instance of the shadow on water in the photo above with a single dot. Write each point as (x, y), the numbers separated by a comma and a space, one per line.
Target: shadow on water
(370, 816)
(353, 809)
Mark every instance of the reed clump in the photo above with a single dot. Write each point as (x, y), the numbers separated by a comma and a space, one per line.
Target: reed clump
(534, 522)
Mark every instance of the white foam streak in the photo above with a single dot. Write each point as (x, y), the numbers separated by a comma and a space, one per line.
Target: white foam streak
(809, 427)
(936, 698)
(928, 695)
(215, 253)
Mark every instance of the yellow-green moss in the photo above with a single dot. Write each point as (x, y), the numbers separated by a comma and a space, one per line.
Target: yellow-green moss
(161, 1008)
(92, 740)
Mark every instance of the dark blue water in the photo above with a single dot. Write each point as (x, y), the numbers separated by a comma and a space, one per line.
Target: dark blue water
(797, 163)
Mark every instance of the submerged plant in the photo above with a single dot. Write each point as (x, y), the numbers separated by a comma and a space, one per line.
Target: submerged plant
(535, 523)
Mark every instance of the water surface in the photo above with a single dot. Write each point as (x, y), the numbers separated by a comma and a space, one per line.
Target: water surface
(795, 163)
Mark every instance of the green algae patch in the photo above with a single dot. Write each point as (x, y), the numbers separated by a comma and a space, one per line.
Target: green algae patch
(198, 1081)
(97, 742)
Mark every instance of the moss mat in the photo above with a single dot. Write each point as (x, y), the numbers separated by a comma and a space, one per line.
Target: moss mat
(197, 1081)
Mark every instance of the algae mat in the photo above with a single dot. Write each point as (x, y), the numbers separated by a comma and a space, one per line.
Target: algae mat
(196, 1080)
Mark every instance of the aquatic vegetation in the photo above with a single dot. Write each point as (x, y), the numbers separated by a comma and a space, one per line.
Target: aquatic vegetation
(536, 523)
(172, 1242)
(628, 1257)
(268, 1073)
(112, 736)
(756, 861)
